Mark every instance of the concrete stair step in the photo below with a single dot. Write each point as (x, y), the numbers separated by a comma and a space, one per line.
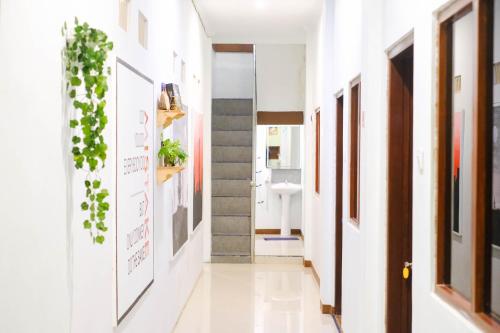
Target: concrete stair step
(231, 206)
(231, 188)
(232, 154)
(240, 107)
(232, 171)
(231, 245)
(231, 225)
(232, 123)
(232, 138)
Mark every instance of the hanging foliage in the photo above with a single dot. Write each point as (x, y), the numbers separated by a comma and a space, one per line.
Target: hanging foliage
(85, 55)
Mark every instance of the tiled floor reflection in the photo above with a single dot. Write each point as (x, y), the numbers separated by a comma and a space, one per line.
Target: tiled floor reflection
(255, 298)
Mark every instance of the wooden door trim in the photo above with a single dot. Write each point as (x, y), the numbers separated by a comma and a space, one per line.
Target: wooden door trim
(454, 10)
(280, 118)
(400, 45)
(476, 309)
(355, 151)
(233, 48)
(338, 225)
(356, 80)
(317, 165)
(393, 114)
(482, 158)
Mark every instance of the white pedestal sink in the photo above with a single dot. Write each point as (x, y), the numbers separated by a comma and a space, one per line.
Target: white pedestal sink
(286, 190)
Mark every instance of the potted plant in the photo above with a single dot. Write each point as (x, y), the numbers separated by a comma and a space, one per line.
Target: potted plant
(171, 153)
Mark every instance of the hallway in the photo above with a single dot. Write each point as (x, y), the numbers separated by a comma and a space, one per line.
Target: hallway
(259, 298)
(250, 166)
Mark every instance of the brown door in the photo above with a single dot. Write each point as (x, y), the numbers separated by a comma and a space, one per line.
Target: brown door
(400, 157)
(338, 205)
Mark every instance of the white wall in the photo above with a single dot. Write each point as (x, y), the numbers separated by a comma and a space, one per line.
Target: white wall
(33, 242)
(233, 75)
(312, 205)
(280, 77)
(58, 281)
(355, 35)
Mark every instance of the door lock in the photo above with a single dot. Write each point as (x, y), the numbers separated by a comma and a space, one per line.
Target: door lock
(406, 270)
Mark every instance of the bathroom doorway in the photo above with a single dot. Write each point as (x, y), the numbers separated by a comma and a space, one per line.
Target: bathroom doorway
(278, 193)
(278, 152)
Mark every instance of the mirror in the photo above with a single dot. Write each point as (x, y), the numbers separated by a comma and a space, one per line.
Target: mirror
(283, 147)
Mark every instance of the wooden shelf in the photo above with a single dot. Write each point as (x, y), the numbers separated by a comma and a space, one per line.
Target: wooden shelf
(166, 117)
(165, 173)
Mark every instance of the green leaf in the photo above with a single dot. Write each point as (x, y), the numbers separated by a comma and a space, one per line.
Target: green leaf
(99, 239)
(101, 226)
(101, 196)
(104, 206)
(75, 81)
(85, 56)
(100, 90)
(92, 163)
(79, 159)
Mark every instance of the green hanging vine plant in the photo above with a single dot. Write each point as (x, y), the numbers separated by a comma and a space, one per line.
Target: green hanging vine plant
(85, 55)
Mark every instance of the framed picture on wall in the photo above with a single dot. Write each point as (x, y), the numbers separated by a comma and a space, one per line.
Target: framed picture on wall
(457, 147)
(180, 202)
(495, 215)
(135, 114)
(198, 170)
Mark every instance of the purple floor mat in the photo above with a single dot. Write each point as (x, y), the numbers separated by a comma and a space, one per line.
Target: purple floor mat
(280, 238)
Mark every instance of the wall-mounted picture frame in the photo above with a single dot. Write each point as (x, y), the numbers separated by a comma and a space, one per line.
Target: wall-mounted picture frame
(135, 112)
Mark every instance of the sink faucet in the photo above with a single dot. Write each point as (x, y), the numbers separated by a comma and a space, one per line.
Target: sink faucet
(286, 181)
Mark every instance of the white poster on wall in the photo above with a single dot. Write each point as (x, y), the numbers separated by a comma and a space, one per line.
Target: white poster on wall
(134, 186)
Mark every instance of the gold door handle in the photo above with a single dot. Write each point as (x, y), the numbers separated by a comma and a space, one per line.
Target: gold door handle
(406, 270)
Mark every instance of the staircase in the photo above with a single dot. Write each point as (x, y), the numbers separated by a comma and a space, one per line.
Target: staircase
(232, 156)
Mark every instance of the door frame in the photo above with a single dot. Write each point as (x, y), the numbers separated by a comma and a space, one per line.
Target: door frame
(339, 197)
(398, 49)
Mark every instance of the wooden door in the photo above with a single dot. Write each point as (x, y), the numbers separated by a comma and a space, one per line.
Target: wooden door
(338, 204)
(400, 172)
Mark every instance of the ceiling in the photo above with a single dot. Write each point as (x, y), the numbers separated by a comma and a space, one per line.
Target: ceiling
(258, 21)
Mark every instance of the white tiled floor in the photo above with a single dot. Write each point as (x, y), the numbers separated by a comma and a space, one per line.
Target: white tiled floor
(287, 248)
(244, 298)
